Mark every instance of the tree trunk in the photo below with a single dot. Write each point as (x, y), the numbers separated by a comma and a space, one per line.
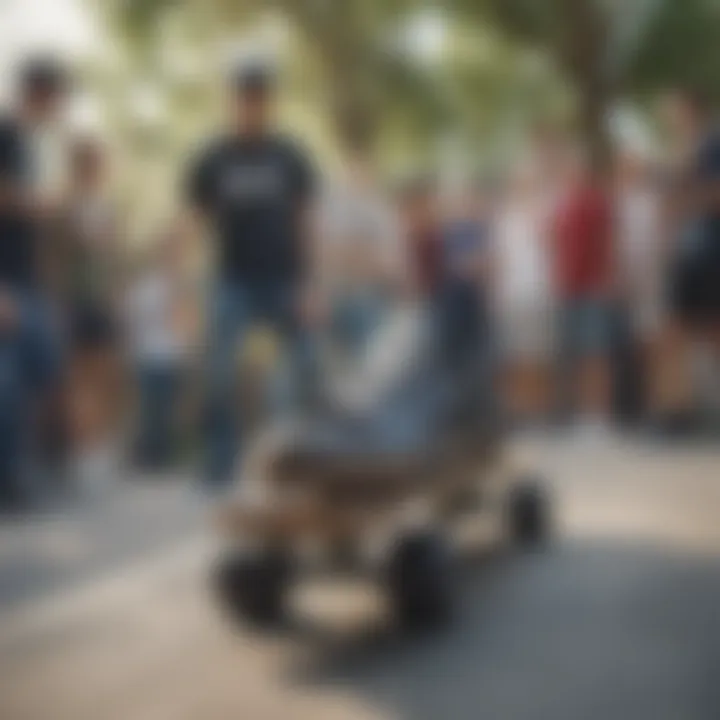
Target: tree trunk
(583, 52)
(336, 31)
(594, 100)
(354, 119)
(351, 96)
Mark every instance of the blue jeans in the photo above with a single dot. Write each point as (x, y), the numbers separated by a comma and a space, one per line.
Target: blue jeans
(462, 323)
(355, 317)
(235, 308)
(585, 332)
(586, 328)
(30, 360)
(159, 384)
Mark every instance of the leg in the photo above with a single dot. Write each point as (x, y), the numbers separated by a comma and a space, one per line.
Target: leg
(107, 381)
(566, 362)
(294, 383)
(595, 386)
(595, 374)
(674, 396)
(44, 357)
(12, 425)
(144, 384)
(229, 316)
(651, 358)
(537, 380)
(165, 414)
(81, 402)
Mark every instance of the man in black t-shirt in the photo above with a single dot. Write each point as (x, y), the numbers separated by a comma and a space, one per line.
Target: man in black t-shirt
(694, 257)
(253, 188)
(696, 200)
(28, 348)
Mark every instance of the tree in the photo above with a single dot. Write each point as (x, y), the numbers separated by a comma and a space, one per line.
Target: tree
(603, 48)
(365, 76)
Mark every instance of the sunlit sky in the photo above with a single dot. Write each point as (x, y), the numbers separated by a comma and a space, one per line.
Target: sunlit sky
(62, 27)
(66, 27)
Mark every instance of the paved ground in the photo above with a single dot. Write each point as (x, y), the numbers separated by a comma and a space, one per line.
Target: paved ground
(75, 540)
(618, 620)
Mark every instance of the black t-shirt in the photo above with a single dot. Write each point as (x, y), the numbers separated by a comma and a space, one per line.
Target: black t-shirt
(253, 191)
(17, 228)
(700, 232)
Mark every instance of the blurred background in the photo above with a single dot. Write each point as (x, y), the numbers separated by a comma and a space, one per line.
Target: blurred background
(540, 176)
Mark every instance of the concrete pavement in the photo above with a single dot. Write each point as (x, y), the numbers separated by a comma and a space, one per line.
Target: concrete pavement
(617, 620)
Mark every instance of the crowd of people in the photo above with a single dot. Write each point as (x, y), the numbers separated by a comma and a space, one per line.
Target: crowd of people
(596, 286)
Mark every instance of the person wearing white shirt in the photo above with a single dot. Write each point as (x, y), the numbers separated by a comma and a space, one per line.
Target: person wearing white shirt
(641, 267)
(158, 348)
(523, 295)
(361, 257)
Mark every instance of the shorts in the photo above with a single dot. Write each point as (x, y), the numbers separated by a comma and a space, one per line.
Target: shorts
(586, 327)
(36, 344)
(695, 289)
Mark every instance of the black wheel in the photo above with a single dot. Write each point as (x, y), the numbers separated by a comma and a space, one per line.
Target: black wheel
(529, 513)
(253, 587)
(420, 581)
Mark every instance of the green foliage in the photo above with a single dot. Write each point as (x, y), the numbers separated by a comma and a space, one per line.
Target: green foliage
(369, 88)
(681, 47)
(678, 42)
(137, 20)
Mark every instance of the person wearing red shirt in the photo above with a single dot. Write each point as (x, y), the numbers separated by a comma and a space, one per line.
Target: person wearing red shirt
(583, 272)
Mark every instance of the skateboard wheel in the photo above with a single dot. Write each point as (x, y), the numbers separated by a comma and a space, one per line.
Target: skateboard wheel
(253, 587)
(420, 580)
(529, 513)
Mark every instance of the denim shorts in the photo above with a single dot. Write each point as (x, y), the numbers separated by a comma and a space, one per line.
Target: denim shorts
(586, 326)
(36, 342)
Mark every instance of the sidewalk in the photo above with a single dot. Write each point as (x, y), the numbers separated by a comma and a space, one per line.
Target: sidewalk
(70, 542)
(626, 598)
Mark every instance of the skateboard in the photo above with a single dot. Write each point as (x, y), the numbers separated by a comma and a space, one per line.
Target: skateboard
(390, 514)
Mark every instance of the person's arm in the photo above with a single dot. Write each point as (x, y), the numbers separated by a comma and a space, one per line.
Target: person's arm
(391, 256)
(669, 214)
(13, 192)
(702, 192)
(13, 197)
(198, 191)
(493, 258)
(304, 188)
(304, 183)
(55, 251)
(606, 229)
(115, 246)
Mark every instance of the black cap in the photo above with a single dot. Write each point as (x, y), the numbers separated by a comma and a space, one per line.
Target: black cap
(43, 74)
(256, 77)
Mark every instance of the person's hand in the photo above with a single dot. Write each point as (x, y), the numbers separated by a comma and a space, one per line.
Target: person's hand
(8, 311)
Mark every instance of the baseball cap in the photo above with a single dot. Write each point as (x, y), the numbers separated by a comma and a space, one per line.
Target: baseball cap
(253, 76)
